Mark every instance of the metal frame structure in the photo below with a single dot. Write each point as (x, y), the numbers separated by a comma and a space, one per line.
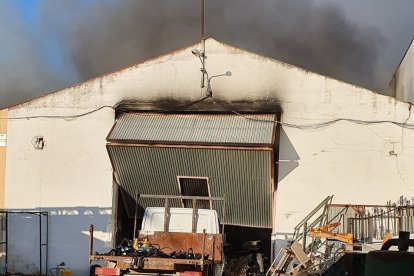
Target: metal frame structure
(374, 221)
(42, 244)
(194, 199)
(303, 227)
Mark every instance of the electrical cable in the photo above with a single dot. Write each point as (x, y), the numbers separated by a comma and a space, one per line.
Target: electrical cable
(186, 106)
(68, 117)
(114, 107)
(223, 104)
(313, 126)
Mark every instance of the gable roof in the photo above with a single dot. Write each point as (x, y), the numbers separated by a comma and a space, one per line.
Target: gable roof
(211, 41)
(117, 71)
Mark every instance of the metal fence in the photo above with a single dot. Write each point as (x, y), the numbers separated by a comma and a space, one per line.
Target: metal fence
(370, 223)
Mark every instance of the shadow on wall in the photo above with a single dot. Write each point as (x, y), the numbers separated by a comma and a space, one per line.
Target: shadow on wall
(67, 239)
(288, 157)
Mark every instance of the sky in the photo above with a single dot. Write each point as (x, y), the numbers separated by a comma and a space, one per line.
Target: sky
(46, 45)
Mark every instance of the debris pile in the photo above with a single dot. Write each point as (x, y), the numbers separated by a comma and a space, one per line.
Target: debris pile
(144, 249)
(246, 259)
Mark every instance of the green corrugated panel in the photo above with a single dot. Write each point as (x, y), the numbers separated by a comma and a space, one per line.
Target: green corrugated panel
(244, 176)
(195, 128)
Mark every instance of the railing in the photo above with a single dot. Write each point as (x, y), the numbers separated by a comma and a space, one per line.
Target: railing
(301, 230)
(370, 223)
(366, 223)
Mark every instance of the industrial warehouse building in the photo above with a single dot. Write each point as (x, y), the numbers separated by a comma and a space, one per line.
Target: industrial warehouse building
(274, 139)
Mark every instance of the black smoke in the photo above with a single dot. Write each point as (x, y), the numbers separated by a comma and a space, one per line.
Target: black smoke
(100, 36)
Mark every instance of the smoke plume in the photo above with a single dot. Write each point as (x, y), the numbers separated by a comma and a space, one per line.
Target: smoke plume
(95, 37)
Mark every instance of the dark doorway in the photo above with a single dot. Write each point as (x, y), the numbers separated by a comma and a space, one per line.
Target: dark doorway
(194, 186)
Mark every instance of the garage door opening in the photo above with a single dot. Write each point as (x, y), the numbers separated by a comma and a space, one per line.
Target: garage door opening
(202, 155)
(245, 248)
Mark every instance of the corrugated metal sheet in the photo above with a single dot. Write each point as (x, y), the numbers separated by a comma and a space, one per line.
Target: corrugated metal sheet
(244, 176)
(195, 128)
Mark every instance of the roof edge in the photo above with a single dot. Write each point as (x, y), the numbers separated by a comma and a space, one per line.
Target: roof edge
(191, 46)
(297, 67)
(405, 54)
(102, 75)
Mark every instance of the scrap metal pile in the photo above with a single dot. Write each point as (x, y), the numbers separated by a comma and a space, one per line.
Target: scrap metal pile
(331, 231)
(130, 248)
(244, 260)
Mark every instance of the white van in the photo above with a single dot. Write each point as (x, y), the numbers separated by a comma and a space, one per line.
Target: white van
(180, 220)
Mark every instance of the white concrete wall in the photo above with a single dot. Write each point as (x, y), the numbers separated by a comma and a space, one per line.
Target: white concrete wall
(403, 79)
(71, 178)
(357, 163)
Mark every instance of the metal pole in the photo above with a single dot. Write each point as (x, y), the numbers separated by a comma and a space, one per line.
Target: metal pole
(203, 44)
(358, 226)
(388, 217)
(395, 221)
(370, 228)
(193, 222)
(402, 218)
(407, 216)
(47, 241)
(202, 19)
(223, 214)
(135, 217)
(7, 244)
(412, 219)
(305, 230)
(399, 220)
(3, 225)
(166, 222)
(375, 219)
(182, 197)
(204, 248)
(40, 243)
(91, 228)
(352, 227)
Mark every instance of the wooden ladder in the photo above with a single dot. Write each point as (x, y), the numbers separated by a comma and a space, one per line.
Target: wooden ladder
(279, 267)
(295, 251)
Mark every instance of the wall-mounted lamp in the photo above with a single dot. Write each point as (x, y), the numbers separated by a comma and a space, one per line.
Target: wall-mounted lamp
(201, 56)
(209, 90)
(197, 53)
(228, 74)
